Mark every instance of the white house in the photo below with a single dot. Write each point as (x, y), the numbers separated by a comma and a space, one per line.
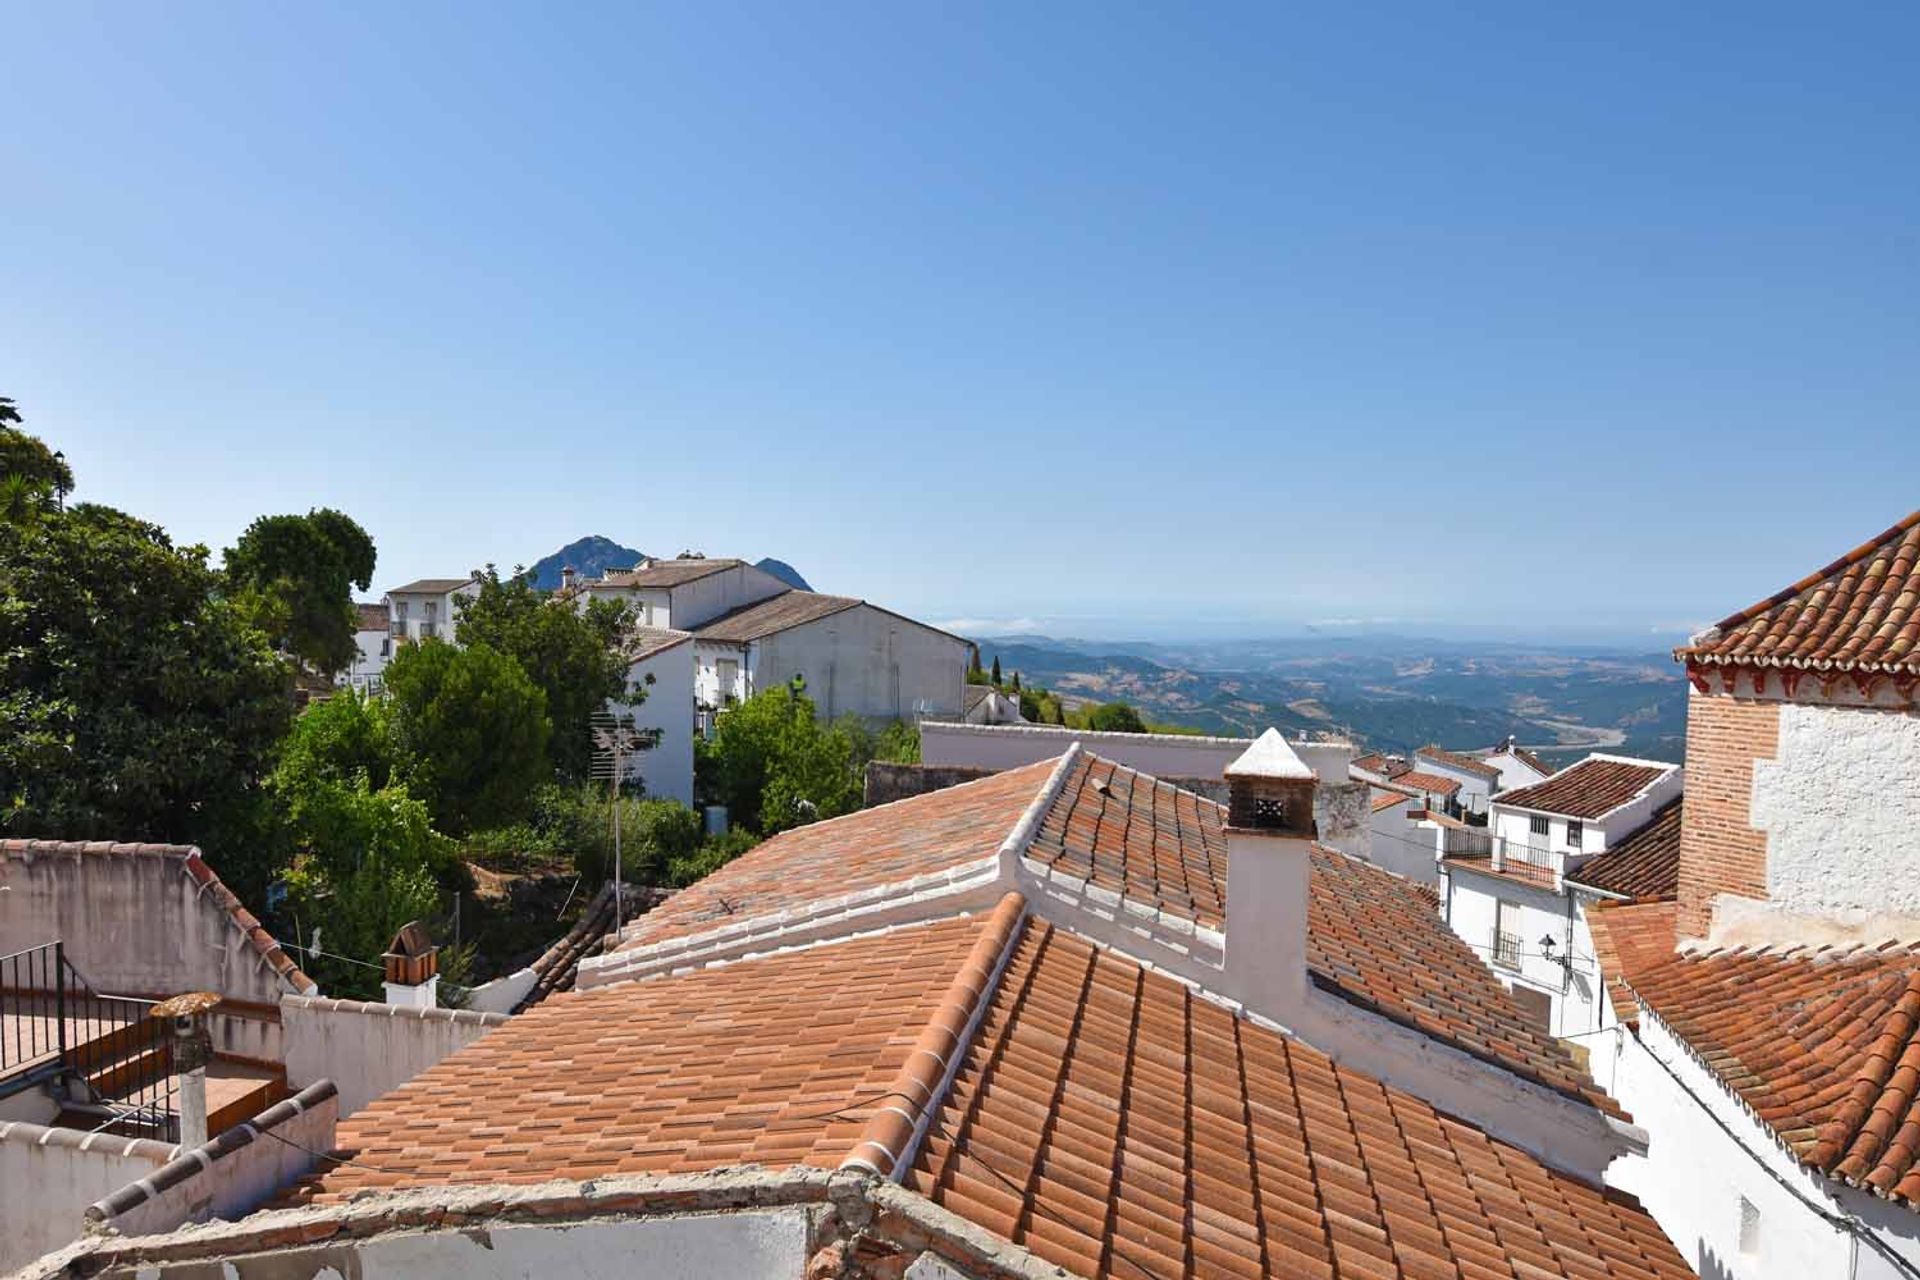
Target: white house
(681, 593)
(662, 666)
(1762, 1025)
(1478, 780)
(428, 608)
(856, 658)
(1400, 840)
(1517, 897)
(984, 704)
(1518, 766)
(373, 648)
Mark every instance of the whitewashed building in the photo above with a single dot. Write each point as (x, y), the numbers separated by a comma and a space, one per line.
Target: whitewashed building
(428, 608)
(681, 593)
(373, 648)
(1518, 899)
(1478, 780)
(855, 658)
(1518, 766)
(661, 666)
(1764, 1024)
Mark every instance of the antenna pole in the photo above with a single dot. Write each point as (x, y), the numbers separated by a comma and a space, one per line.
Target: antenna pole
(616, 837)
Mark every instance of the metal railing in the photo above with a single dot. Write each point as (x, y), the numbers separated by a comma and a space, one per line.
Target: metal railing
(1506, 949)
(107, 1060)
(1527, 861)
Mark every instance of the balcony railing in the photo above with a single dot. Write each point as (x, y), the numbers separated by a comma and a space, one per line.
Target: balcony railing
(103, 1056)
(1533, 863)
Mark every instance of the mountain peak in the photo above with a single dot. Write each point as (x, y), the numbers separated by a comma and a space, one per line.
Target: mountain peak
(593, 555)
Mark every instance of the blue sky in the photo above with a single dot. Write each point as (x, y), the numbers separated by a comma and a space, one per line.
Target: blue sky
(1522, 316)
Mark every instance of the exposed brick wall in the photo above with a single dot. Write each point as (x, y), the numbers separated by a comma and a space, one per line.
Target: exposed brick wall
(1720, 850)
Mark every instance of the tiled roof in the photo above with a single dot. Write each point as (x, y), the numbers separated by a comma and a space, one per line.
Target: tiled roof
(1370, 939)
(196, 868)
(776, 1061)
(776, 613)
(370, 617)
(430, 587)
(1375, 762)
(1108, 1118)
(643, 642)
(1590, 789)
(1117, 1124)
(1455, 760)
(1431, 783)
(1860, 613)
(925, 834)
(1383, 799)
(1645, 865)
(1629, 938)
(661, 573)
(1532, 761)
(1139, 836)
(1824, 1046)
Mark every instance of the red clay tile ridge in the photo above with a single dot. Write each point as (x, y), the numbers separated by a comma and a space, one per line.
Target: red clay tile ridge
(195, 867)
(894, 1134)
(968, 886)
(1591, 788)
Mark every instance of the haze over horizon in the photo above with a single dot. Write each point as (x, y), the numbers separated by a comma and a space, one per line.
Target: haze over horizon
(1537, 322)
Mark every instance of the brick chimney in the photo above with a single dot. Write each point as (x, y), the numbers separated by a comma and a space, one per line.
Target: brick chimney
(412, 966)
(1270, 832)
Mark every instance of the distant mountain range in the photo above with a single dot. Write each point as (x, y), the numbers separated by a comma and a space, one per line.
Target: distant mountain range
(1389, 693)
(593, 555)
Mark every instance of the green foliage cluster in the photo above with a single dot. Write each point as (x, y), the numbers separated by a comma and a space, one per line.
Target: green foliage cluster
(472, 729)
(133, 697)
(774, 765)
(573, 656)
(293, 578)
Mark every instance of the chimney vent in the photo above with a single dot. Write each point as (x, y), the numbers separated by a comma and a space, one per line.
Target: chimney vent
(1270, 789)
(412, 965)
(566, 578)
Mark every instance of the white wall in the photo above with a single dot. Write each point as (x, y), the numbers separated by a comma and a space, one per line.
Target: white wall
(1164, 755)
(708, 690)
(667, 768)
(704, 599)
(866, 662)
(371, 1049)
(1695, 1173)
(134, 923)
(48, 1177)
(1542, 913)
(1475, 788)
(446, 611)
(372, 650)
(1402, 846)
(1841, 811)
(1513, 772)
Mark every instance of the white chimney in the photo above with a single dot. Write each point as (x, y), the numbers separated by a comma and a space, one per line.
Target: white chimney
(1270, 832)
(566, 577)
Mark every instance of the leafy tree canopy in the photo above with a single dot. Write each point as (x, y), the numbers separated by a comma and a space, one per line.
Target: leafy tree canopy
(295, 577)
(574, 656)
(135, 703)
(33, 478)
(1116, 717)
(775, 766)
(471, 731)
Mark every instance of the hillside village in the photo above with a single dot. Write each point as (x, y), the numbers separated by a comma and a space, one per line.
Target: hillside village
(883, 976)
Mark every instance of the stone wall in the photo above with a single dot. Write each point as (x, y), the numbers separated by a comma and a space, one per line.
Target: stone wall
(888, 782)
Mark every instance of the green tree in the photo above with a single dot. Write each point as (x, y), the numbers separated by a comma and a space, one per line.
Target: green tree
(34, 479)
(1115, 717)
(135, 702)
(338, 739)
(775, 766)
(575, 656)
(470, 732)
(295, 576)
(996, 670)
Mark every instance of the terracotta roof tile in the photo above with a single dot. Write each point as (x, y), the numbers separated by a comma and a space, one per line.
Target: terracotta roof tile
(1824, 1046)
(1472, 764)
(661, 573)
(1532, 761)
(1431, 783)
(934, 832)
(1117, 1124)
(777, 1061)
(1645, 865)
(1384, 799)
(370, 617)
(429, 587)
(1630, 938)
(776, 613)
(1590, 789)
(1860, 613)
